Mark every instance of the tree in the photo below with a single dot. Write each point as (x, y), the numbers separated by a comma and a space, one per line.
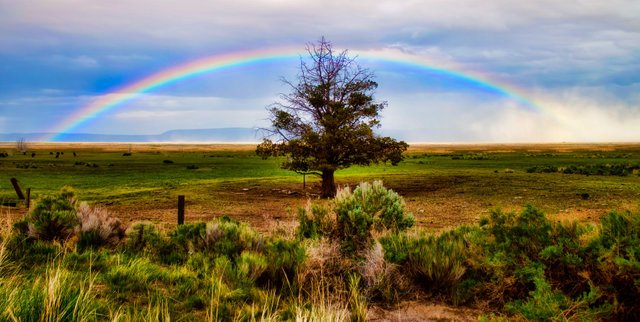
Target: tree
(326, 123)
(21, 145)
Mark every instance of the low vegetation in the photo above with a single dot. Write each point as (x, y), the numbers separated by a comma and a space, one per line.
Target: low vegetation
(620, 169)
(68, 261)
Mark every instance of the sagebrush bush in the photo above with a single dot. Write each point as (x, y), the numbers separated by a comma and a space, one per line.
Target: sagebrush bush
(314, 222)
(97, 228)
(53, 217)
(617, 249)
(230, 238)
(520, 237)
(285, 258)
(438, 263)
(368, 206)
(143, 237)
(382, 279)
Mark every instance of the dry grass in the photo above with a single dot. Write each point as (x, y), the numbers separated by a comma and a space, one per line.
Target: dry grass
(110, 229)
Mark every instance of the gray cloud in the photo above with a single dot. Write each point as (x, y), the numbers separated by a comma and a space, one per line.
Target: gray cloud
(582, 58)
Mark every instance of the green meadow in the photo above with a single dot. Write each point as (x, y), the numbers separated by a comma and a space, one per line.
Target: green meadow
(458, 183)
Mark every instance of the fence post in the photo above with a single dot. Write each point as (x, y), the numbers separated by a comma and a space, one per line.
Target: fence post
(28, 201)
(16, 187)
(180, 210)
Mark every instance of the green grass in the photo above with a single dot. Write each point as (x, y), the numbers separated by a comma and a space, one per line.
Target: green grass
(480, 180)
(519, 265)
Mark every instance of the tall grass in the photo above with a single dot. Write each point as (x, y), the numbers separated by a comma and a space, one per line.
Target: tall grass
(57, 296)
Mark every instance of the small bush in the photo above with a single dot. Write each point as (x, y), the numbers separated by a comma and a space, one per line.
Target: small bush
(285, 258)
(314, 222)
(438, 263)
(96, 228)
(143, 237)
(368, 206)
(382, 279)
(521, 237)
(53, 217)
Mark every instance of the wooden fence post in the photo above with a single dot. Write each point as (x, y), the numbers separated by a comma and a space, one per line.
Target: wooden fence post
(28, 201)
(16, 187)
(180, 210)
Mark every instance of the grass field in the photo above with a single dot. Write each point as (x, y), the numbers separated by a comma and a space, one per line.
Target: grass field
(68, 261)
(444, 185)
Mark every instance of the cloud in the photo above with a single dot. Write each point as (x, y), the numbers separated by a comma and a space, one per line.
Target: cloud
(582, 58)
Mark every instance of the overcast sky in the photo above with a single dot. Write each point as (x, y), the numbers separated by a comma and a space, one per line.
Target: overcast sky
(578, 61)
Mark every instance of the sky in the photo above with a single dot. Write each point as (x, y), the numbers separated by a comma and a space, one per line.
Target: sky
(520, 71)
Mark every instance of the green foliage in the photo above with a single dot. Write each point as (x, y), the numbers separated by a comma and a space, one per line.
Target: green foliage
(438, 262)
(230, 238)
(545, 303)
(53, 217)
(369, 206)
(54, 297)
(618, 251)
(285, 257)
(327, 121)
(521, 264)
(620, 169)
(520, 237)
(314, 222)
(134, 276)
(357, 302)
(29, 251)
(143, 237)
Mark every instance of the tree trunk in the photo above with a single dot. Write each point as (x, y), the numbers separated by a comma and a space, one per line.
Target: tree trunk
(328, 184)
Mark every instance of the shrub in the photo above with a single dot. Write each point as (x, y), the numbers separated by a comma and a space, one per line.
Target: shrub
(520, 237)
(250, 266)
(314, 222)
(285, 258)
(438, 263)
(229, 237)
(53, 217)
(96, 228)
(369, 206)
(544, 303)
(190, 237)
(221, 237)
(382, 279)
(617, 249)
(143, 237)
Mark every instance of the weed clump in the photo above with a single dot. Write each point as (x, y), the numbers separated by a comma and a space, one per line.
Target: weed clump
(96, 228)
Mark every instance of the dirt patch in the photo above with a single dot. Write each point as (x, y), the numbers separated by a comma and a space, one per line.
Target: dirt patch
(417, 312)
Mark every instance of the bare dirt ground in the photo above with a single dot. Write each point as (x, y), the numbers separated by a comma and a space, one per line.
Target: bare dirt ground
(436, 203)
(420, 311)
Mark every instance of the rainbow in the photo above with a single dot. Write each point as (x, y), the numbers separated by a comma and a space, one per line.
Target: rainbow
(214, 63)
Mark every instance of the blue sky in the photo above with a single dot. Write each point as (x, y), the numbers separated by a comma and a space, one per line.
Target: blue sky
(578, 60)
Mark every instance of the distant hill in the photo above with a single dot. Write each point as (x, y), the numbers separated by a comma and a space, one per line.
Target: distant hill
(230, 135)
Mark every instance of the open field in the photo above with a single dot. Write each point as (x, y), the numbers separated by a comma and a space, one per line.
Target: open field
(342, 260)
(444, 185)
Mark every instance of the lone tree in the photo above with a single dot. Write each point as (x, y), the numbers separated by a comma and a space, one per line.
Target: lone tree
(326, 122)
